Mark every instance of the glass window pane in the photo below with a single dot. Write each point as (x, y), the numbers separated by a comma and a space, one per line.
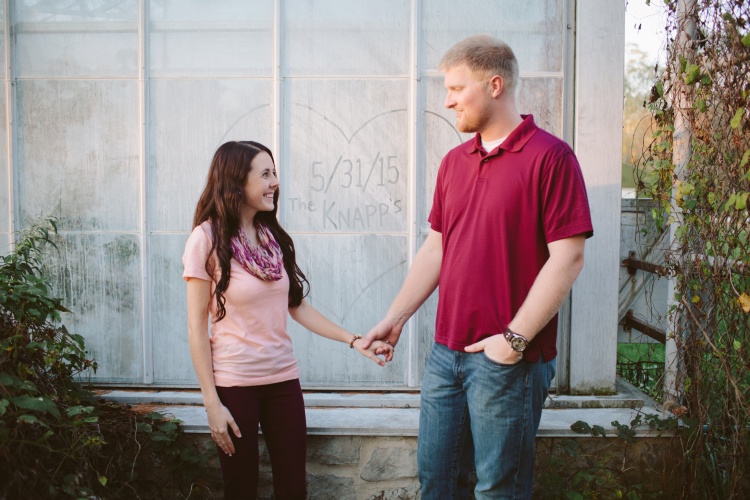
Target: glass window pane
(98, 277)
(229, 38)
(353, 279)
(76, 38)
(189, 120)
(534, 29)
(77, 153)
(168, 312)
(360, 37)
(543, 98)
(347, 161)
(2, 40)
(5, 207)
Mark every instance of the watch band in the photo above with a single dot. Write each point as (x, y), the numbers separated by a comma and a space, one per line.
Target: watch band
(517, 341)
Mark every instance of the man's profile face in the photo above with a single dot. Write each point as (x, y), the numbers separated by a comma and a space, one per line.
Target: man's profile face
(469, 97)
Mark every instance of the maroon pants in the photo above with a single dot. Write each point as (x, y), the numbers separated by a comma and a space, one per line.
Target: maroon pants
(280, 410)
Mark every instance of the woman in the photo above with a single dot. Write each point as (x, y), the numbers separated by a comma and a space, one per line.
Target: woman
(240, 269)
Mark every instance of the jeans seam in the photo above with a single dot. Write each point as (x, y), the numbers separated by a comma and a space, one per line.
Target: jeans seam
(524, 425)
(457, 453)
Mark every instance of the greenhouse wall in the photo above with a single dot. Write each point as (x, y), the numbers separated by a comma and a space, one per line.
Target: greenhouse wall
(114, 109)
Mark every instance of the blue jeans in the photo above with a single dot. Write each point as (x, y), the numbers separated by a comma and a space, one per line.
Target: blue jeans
(475, 411)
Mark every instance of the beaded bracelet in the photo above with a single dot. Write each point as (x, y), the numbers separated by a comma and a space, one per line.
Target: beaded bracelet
(354, 338)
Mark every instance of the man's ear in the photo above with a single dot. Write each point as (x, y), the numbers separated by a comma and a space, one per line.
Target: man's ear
(497, 84)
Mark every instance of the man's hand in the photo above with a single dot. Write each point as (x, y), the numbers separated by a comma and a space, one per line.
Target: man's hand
(375, 349)
(387, 331)
(497, 349)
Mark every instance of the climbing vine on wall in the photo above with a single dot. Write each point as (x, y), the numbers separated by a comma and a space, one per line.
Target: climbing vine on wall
(698, 169)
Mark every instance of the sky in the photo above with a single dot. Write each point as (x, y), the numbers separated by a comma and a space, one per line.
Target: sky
(651, 20)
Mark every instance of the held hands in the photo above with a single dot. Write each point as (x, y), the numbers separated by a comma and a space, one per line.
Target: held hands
(383, 337)
(375, 349)
(497, 349)
(219, 422)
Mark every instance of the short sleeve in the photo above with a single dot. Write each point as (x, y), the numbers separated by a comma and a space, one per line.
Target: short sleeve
(565, 203)
(196, 254)
(436, 212)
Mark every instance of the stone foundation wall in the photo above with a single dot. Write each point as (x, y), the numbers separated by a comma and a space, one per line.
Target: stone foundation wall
(385, 468)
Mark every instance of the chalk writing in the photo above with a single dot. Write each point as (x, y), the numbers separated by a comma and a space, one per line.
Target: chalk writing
(367, 216)
(299, 205)
(351, 173)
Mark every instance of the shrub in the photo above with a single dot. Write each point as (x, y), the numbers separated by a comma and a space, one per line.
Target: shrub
(56, 438)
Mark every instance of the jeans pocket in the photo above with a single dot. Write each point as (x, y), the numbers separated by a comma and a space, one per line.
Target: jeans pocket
(498, 363)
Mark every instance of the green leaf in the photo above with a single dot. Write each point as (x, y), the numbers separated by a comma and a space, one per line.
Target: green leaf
(705, 80)
(692, 73)
(143, 427)
(3, 405)
(8, 380)
(737, 345)
(746, 40)
(737, 118)
(580, 427)
(160, 436)
(686, 188)
(700, 105)
(745, 158)
(598, 430)
(41, 404)
(30, 419)
(660, 88)
(103, 480)
(77, 410)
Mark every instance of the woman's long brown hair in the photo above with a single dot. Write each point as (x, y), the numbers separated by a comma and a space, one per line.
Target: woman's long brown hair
(220, 204)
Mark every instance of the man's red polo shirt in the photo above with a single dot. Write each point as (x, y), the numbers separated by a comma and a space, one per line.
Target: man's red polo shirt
(496, 213)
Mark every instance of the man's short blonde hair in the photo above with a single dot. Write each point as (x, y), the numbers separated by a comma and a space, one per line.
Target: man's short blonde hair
(485, 56)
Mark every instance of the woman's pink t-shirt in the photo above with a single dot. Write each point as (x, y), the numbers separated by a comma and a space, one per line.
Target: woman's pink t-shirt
(250, 346)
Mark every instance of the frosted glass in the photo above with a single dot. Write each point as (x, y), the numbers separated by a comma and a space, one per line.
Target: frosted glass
(76, 38)
(231, 38)
(543, 98)
(98, 278)
(172, 363)
(4, 169)
(347, 163)
(534, 29)
(353, 279)
(190, 119)
(357, 37)
(77, 153)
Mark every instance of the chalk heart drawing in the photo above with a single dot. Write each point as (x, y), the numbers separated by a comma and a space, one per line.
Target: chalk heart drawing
(347, 179)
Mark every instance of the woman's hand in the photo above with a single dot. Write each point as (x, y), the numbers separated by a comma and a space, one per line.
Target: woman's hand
(375, 349)
(220, 421)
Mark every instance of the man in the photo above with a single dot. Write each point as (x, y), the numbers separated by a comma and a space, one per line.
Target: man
(508, 225)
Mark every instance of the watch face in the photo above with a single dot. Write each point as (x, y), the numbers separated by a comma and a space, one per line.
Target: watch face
(517, 344)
